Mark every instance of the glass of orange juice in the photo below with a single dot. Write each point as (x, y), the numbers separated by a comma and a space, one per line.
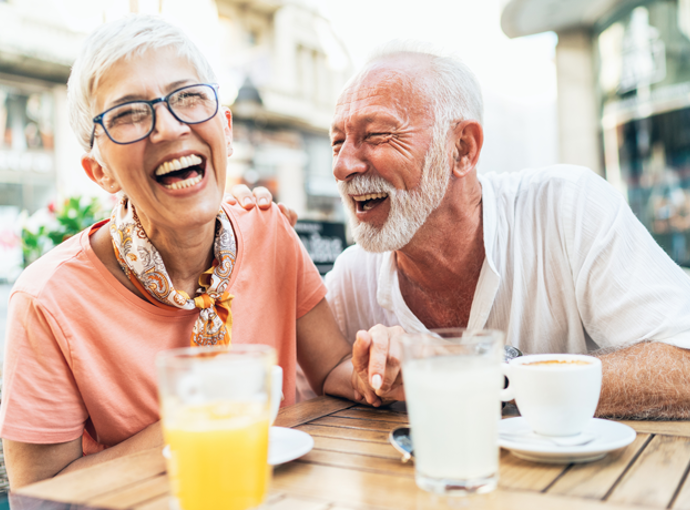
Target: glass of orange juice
(215, 410)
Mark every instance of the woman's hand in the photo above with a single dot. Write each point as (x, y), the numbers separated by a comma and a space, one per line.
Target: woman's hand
(258, 196)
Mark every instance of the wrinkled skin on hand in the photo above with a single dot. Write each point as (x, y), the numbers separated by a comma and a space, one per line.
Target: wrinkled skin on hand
(258, 196)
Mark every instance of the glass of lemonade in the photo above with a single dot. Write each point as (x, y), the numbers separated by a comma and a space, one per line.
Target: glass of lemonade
(215, 410)
(452, 383)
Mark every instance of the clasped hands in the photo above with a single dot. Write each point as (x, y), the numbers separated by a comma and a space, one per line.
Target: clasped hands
(376, 363)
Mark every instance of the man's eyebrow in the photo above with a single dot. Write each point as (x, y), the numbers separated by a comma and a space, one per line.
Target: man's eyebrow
(138, 97)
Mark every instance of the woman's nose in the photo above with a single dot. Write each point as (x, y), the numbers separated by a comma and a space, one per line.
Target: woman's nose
(348, 162)
(167, 127)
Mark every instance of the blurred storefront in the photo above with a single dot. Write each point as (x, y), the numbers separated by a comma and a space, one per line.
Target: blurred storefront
(624, 100)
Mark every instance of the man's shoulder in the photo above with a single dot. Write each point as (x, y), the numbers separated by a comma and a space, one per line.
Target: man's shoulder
(355, 256)
(356, 267)
(533, 179)
(548, 185)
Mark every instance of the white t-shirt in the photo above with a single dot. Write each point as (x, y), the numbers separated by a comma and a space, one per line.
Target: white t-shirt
(568, 268)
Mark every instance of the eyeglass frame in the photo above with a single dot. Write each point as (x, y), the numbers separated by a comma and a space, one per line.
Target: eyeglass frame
(98, 119)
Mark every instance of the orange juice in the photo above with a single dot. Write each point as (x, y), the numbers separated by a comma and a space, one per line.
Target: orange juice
(218, 456)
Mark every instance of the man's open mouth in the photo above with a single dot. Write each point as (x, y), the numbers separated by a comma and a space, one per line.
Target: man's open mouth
(181, 173)
(369, 201)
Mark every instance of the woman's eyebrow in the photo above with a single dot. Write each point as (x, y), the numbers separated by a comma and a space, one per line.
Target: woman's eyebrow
(138, 97)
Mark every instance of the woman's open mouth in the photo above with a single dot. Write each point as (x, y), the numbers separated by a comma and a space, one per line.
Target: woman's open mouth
(368, 201)
(181, 173)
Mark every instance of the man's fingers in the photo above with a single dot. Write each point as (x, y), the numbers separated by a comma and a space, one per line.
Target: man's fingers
(243, 195)
(378, 353)
(360, 353)
(263, 197)
(289, 214)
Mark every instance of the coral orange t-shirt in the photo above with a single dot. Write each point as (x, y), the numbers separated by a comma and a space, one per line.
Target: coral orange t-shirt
(80, 347)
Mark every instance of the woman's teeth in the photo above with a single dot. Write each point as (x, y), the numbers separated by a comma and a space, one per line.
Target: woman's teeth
(178, 164)
(184, 184)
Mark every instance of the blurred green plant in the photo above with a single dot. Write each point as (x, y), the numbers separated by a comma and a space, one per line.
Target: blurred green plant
(52, 225)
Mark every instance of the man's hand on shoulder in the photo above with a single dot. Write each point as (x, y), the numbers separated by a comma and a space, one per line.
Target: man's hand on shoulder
(377, 375)
(259, 196)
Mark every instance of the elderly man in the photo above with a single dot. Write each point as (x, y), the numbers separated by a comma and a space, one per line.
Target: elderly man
(553, 257)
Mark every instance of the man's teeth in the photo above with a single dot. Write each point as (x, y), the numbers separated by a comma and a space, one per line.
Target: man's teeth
(184, 184)
(370, 196)
(178, 164)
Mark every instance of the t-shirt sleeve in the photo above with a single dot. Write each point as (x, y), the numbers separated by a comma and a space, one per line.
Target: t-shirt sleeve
(627, 288)
(310, 287)
(41, 402)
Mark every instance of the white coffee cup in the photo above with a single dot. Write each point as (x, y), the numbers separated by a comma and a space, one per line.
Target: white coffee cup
(556, 393)
(276, 390)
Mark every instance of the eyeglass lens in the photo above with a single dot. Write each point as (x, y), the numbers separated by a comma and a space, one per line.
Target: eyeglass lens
(133, 121)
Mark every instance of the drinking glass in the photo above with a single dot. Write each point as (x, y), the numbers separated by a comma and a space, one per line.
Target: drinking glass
(215, 409)
(452, 383)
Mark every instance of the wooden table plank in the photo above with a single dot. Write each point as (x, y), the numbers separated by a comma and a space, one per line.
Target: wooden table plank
(595, 479)
(372, 414)
(298, 503)
(351, 488)
(655, 476)
(84, 485)
(308, 410)
(360, 462)
(668, 428)
(134, 495)
(518, 474)
(385, 451)
(355, 423)
(376, 436)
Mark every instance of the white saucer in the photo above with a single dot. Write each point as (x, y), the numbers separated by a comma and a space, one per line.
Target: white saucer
(610, 435)
(284, 445)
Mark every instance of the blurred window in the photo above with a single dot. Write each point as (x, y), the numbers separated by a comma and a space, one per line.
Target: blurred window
(644, 82)
(27, 145)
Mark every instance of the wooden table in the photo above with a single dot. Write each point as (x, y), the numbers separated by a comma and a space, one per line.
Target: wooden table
(352, 466)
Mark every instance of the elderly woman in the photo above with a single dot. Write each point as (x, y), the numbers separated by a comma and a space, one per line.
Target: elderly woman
(170, 268)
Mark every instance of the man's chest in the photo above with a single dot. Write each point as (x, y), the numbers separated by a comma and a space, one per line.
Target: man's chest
(439, 310)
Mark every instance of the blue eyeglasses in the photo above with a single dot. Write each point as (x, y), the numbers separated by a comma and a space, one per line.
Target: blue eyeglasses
(135, 120)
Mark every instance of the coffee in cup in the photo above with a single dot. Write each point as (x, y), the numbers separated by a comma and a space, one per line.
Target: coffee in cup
(556, 393)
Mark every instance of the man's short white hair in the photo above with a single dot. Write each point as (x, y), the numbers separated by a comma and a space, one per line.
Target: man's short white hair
(125, 38)
(452, 88)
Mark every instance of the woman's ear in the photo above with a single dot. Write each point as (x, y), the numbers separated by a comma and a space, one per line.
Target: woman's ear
(97, 174)
(467, 139)
(227, 128)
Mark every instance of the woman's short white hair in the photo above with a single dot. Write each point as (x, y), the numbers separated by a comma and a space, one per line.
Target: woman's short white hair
(125, 38)
(453, 88)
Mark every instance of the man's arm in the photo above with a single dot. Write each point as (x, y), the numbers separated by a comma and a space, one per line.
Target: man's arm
(28, 463)
(648, 380)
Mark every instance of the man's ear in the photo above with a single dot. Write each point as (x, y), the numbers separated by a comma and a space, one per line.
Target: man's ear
(227, 128)
(97, 174)
(467, 139)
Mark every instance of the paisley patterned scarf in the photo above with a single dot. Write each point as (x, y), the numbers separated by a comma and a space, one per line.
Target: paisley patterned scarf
(143, 265)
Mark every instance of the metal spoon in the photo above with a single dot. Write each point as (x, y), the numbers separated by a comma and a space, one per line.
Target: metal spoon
(402, 441)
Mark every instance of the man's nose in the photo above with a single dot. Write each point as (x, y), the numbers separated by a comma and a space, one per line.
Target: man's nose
(349, 162)
(167, 127)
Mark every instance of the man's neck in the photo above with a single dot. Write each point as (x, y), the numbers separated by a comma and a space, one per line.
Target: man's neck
(439, 269)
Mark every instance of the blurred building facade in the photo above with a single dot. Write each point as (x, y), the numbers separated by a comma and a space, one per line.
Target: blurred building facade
(623, 70)
(280, 68)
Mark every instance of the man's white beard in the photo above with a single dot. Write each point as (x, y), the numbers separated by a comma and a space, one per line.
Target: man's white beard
(409, 210)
